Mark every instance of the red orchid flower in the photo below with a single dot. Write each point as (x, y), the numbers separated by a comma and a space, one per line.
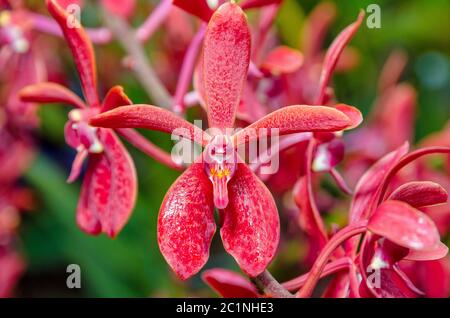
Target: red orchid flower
(219, 178)
(394, 228)
(12, 266)
(109, 188)
(391, 121)
(22, 63)
(12, 200)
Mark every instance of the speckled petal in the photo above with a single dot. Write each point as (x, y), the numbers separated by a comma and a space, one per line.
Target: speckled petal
(251, 226)
(226, 57)
(109, 188)
(186, 222)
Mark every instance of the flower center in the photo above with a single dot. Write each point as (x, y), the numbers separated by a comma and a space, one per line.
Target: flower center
(85, 134)
(220, 165)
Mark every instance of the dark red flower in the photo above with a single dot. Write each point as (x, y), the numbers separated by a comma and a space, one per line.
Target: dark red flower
(109, 187)
(249, 218)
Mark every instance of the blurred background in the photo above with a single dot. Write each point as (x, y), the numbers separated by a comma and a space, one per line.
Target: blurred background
(132, 265)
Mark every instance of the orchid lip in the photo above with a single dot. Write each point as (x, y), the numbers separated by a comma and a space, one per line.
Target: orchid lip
(220, 165)
(86, 134)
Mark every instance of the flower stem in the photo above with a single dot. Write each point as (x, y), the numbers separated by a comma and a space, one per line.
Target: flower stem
(268, 285)
(330, 268)
(187, 70)
(319, 264)
(147, 147)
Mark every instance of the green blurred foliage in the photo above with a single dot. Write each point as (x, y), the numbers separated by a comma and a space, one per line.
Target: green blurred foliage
(131, 265)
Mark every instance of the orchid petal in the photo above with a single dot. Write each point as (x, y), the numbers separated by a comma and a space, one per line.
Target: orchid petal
(392, 70)
(77, 165)
(149, 117)
(368, 185)
(395, 284)
(50, 93)
(81, 48)
(12, 265)
(420, 194)
(352, 113)
(228, 284)
(115, 97)
(70, 135)
(310, 222)
(282, 60)
(226, 57)
(250, 4)
(251, 226)
(65, 3)
(123, 8)
(404, 225)
(333, 54)
(109, 188)
(432, 277)
(438, 251)
(186, 222)
(298, 118)
(396, 109)
(316, 27)
(328, 155)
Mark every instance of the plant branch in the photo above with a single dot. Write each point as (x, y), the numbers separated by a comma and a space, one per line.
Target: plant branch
(140, 65)
(147, 147)
(268, 285)
(316, 270)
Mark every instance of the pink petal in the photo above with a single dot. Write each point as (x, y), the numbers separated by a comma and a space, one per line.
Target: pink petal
(12, 266)
(228, 284)
(395, 284)
(310, 221)
(282, 60)
(50, 93)
(186, 222)
(115, 97)
(199, 8)
(65, 3)
(77, 165)
(250, 4)
(397, 108)
(392, 70)
(338, 287)
(298, 118)
(420, 194)
(123, 8)
(82, 51)
(436, 252)
(251, 227)
(316, 27)
(149, 117)
(226, 57)
(352, 113)
(333, 54)
(404, 225)
(433, 277)
(71, 135)
(109, 188)
(348, 60)
(368, 185)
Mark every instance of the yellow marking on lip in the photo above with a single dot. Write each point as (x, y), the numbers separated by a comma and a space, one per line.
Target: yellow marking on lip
(219, 173)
